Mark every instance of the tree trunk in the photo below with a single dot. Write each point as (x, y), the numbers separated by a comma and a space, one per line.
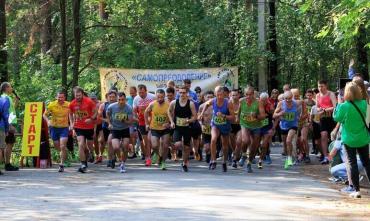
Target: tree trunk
(3, 53)
(77, 41)
(249, 5)
(273, 65)
(45, 14)
(62, 5)
(102, 10)
(362, 54)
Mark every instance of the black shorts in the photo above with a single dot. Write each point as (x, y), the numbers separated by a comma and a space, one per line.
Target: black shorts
(87, 133)
(327, 124)
(285, 132)
(120, 134)
(316, 131)
(98, 128)
(142, 130)
(235, 128)
(106, 133)
(206, 138)
(196, 130)
(10, 138)
(182, 132)
(159, 133)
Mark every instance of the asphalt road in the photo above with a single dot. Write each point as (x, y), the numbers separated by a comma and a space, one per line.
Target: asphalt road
(151, 194)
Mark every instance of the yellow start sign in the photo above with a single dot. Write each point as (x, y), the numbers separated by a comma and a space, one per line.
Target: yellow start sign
(32, 129)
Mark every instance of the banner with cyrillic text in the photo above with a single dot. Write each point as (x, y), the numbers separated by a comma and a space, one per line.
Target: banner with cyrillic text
(32, 129)
(206, 78)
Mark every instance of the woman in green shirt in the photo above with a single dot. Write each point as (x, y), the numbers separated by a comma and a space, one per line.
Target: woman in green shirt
(355, 135)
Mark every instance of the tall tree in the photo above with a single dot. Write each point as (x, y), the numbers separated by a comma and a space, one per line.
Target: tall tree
(62, 5)
(103, 10)
(3, 53)
(77, 41)
(45, 14)
(273, 64)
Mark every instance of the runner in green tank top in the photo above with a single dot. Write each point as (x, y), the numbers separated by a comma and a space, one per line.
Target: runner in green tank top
(251, 114)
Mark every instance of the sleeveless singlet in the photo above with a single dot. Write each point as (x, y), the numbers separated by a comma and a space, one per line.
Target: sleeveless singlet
(290, 117)
(220, 122)
(182, 114)
(159, 115)
(248, 115)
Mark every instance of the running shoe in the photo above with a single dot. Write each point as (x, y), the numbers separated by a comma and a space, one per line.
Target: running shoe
(325, 161)
(155, 158)
(185, 168)
(99, 159)
(268, 160)
(249, 168)
(148, 162)
(197, 156)
(208, 158)
(260, 165)
(288, 163)
(242, 161)
(82, 169)
(307, 159)
(91, 158)
(224, 167)
(234, 164)
(122, 168)
(355, 194)
(61, 169)
(348, 189)
(213, 167)
(163, 166)
(113, 165)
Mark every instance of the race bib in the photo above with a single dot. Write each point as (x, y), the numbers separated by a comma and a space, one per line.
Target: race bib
(249, 117)
(219, 120)
(316, 118)
(182, 122)
(160, 119)
(81, 114)
(206, 129)
(121, 117)
(289, 116)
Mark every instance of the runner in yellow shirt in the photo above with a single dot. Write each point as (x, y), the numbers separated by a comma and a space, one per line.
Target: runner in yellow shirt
(156, 120)
(56, 114)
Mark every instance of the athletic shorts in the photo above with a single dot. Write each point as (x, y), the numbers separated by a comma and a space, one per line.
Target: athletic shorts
(98, 128)
(106, 133)
(142, 130)
(196, 130)
(316, 131)
(10, 138)
(224, 130)
(133, 129)
(120, 134)
(327, 124)
(285, 132)
(2, 140)
(265, 130)
(181, 133)
(87, 133)
(235, 128)
(255, 131)
(159, 133)
(57, 133)
(206, 138)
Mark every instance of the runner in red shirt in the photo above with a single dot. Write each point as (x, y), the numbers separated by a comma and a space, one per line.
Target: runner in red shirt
(82, 119)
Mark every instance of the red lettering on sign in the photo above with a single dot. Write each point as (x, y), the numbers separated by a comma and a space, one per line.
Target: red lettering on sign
(30, 149)
(33, 108)
(33, 116)
(31, 138)
(32, 129)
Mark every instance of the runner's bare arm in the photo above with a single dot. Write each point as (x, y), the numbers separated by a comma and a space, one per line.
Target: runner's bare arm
(100, 112)
(46, 115)
(231, 116)
(278, 112)
(333, 101)
(262, 114)
(201, 107)
(109, 120)
(71, 120)
(206, 105)
(193, 113)
(147, 112)
(170, 112)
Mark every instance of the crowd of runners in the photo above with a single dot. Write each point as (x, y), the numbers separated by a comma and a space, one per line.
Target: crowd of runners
(233, 127)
